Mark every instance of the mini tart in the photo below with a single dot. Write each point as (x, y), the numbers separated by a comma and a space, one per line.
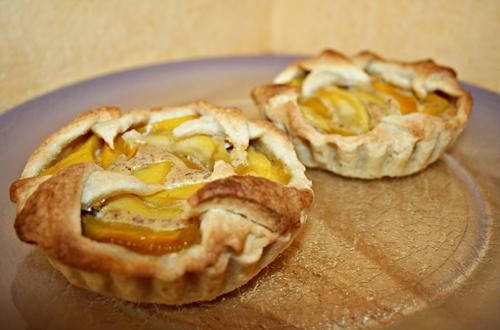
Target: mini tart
(365, 116)
(171, 205)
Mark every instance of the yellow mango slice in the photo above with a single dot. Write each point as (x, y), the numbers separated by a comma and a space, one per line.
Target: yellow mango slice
(169, 124)
(190, 163)
(108, 155)
(435, 104)
(342, 131)
(153, 174)
(140, 239)
(145, 208)
(258, 163)
(242, 170)
(407, 104)
(160, 140)
(319, 107)
(84, 153)
(350, 111)
(221, 152)
(368, 97)
(296, 82)
(203, 148)
(177, 193)
(311, 116)
(279, 173)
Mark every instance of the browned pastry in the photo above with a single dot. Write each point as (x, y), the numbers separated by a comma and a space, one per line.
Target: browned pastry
(365, 116)
(171, 205)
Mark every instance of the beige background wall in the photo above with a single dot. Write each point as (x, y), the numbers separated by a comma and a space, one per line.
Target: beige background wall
(47, 44)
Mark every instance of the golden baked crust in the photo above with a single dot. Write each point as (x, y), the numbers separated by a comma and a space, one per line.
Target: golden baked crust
(398, 145)
(52, 146)
(245, 221)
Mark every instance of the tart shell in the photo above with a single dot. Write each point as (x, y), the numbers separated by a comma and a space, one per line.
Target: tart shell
(245, 223)
(397, 146)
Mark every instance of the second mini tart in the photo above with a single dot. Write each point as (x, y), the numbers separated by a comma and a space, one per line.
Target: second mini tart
(170, 205)
(365, 116)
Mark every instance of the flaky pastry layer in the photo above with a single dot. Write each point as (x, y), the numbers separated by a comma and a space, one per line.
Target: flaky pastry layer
(398, 145)
(245, 221)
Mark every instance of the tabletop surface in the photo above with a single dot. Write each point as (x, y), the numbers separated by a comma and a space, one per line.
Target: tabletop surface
(415, 252)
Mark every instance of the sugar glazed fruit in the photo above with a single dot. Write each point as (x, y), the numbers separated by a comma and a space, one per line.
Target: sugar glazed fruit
(365, 116)
(170, 205)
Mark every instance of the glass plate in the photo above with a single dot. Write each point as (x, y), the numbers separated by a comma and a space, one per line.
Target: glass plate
(411, 253)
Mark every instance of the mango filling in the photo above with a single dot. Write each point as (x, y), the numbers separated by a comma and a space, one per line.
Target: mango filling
(260, 165)
(142, 240)
(357, 110)
(84, 153)
(137, 222)
(108, 155)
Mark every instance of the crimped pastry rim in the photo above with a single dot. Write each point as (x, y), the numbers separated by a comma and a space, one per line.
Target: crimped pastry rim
(280, 104)
(62, 241)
